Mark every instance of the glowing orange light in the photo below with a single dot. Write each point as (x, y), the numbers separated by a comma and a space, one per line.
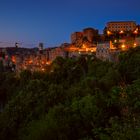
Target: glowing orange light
(108, 32)
(84, 46)
(43, 62)
(135, 44)
(13, 59)
(135, 32)
(48, 63)
(121, 32)
(86, 49)
(30, 62)
(123, 46)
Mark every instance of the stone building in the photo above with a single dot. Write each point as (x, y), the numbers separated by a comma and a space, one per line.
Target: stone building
(102, 51)
(90, 34)
(121, 26)
(76, 36)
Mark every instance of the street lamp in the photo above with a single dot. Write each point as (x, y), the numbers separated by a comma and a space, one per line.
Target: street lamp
(108, 33)
(135, 45)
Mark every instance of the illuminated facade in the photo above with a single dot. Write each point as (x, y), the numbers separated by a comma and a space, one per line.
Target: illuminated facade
(83, 42)
(137, 41)
(121, 36)
(53, 53)
(102, 51)
(120, 26)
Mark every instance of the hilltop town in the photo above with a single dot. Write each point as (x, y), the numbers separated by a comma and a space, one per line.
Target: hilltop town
(88, 89)
(117, 36)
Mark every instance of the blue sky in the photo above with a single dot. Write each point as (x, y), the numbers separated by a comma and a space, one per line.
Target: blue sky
(52, 21)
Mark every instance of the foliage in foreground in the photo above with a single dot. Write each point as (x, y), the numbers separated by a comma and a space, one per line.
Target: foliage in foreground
(82, 98)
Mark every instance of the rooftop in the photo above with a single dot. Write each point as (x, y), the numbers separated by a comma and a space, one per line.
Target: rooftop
(121, 21)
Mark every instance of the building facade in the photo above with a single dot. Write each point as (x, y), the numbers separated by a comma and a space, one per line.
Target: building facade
(102, 51)
(137, 41)
(118, 26)
(90, 34)
(76, 36)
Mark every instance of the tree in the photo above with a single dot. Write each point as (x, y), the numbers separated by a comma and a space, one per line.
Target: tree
(1, 66)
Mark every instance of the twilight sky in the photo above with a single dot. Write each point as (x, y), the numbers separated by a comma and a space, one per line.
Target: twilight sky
(52, 21)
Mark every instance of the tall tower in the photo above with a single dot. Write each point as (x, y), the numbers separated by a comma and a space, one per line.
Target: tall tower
(40, 47)
(16, 45)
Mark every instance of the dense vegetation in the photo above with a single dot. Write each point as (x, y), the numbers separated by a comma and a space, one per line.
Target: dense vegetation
(75, 99)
